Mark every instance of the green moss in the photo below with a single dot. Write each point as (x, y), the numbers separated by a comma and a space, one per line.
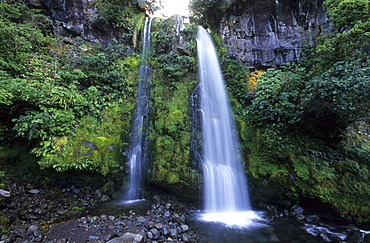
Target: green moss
(95, 145)
(173, 83)
(4, 220)
(308, 170)
(108, 188)
(79, 208)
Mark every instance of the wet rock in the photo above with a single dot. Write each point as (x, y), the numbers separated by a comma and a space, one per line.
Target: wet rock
(296, 209)
(32, 228)
(149, 235)
(323, 236)
(111, 227)
(35, 3)
(4, 193)
(367, 238)
(93, 237)
(185, 237)
(166, 230)
(129, 238)
(158, 226)
(300, 217)
(355, 237)
(34, 191)
(184, 228)
(167, 214)
(110, 217)
(141, 219)
(174, 233)
(273, 210)
(63, 240)
(155, 234)
(313, 219)
(271, 33)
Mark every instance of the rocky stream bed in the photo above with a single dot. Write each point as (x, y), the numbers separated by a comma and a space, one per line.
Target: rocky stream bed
(82, 214)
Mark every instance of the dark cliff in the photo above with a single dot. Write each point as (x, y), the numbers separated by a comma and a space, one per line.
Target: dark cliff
(83, 19)
(270, 32)
(259, 33)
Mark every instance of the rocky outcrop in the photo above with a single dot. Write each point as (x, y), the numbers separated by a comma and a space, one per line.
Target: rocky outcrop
(77, 18)
(265, 33)
(259, 33)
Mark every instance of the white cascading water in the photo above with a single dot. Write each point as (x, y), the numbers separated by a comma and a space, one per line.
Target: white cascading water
(138, 151)
(226, 196)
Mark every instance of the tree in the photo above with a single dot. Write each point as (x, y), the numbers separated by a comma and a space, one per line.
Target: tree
(350, 36)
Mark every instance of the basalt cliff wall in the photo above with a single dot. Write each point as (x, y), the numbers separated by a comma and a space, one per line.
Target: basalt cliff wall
(265, 33)
(77, 19)
(259, 33)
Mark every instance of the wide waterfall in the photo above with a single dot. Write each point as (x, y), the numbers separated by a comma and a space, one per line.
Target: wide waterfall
(138, 152)
(225, 184)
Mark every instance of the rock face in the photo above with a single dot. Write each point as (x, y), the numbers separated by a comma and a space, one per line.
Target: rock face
(263, 33)
(259, 33)
(76, 18)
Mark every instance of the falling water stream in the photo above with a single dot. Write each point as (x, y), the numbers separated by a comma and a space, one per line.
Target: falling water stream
(226, 196)
(227, 214)
(138, 151)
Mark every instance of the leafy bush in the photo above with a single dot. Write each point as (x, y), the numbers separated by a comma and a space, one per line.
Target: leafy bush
(323, 106)
(347, 42)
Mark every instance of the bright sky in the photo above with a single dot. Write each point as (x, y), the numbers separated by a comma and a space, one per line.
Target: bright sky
(171, 7)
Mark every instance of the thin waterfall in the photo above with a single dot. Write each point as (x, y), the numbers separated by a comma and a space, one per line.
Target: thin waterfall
(139, 143)
(224, 180)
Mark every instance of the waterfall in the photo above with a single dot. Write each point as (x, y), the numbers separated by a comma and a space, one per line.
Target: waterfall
(138, 151)
(224, 180)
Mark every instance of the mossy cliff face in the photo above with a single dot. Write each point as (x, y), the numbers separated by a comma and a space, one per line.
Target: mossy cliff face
(172, 83)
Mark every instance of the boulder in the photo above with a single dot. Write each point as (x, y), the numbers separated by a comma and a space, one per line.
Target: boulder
(128, 238)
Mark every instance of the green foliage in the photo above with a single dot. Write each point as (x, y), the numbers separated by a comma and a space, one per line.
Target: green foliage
(277, 102)
(173, 66)
(351, 22)
(339, 96)
(48, 93)
(2, 175)
(321, 107)
(94, 146)
(208, 13)
(173, 82)
(163, 35)
(116, 13)
(189, 34)
(236, 80)
(345, 14)
(22, 37)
